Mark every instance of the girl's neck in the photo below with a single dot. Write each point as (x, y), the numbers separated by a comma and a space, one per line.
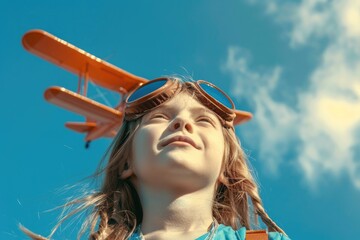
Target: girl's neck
(174, 213)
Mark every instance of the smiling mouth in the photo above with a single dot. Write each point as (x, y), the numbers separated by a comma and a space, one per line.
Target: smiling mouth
(180, 141)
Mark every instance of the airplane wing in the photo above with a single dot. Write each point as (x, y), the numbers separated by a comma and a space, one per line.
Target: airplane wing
(79, 62)
(82, 105)
(98, 112)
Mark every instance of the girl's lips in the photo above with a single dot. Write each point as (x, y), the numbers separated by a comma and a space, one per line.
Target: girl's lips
(180, 139)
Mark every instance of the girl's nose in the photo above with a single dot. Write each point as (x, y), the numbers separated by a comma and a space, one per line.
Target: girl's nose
(180, 124)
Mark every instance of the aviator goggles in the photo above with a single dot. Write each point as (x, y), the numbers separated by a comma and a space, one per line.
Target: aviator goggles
(155, 92)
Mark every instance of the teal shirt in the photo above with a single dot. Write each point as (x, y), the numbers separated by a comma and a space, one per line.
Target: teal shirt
(227, 233)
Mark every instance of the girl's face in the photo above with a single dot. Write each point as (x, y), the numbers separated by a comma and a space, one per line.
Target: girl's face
(178, 146)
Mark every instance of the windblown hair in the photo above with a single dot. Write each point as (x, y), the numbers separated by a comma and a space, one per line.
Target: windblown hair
(117, 211)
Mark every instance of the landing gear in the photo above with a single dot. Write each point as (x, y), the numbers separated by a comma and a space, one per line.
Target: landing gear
(87, 144)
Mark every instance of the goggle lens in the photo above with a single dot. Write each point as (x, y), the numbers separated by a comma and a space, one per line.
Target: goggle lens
(146, 89)
(217, 95)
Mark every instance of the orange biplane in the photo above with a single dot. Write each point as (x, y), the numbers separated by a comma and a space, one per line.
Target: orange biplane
(101, 120)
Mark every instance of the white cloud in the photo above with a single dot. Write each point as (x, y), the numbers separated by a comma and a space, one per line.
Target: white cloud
(333, 104)
(349, 17)
(327, 113)
(274, 120)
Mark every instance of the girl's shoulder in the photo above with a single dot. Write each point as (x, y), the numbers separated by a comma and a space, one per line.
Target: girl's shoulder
(227, 233)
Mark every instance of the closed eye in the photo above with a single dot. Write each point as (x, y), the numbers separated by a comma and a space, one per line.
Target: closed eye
(159, 116)
(206, 120)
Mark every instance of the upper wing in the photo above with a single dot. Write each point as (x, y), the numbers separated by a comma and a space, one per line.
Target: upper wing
(79, 62)
(82, 105)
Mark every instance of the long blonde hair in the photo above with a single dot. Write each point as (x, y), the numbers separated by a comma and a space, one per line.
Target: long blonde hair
(116, 207)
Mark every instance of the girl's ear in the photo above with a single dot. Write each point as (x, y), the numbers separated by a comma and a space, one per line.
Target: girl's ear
(127, 172)
(222, 179)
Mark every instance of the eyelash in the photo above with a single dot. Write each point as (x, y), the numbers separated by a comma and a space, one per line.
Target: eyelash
(159, 115)
(207, 119)
(200, 119)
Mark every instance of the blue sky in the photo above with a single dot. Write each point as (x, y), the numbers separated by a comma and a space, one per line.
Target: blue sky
(294, 64)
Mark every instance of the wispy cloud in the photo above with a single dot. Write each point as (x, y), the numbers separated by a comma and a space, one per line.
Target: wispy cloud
(274, 120)
(326, 122)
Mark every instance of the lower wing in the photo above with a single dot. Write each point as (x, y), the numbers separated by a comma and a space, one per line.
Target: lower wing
(82, 105)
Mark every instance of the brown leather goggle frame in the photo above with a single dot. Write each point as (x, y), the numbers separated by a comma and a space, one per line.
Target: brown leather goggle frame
(140, 106)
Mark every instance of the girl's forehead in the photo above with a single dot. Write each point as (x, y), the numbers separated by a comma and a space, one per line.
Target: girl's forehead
(184, 100)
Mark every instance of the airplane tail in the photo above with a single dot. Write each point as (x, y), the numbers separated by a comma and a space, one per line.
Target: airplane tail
(93, 129)
(81, 127)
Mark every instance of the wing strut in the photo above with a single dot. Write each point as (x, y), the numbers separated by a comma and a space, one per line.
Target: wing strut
(79, 84)
(86, 81)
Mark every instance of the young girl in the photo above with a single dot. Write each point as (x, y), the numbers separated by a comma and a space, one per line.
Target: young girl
(176, 169)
